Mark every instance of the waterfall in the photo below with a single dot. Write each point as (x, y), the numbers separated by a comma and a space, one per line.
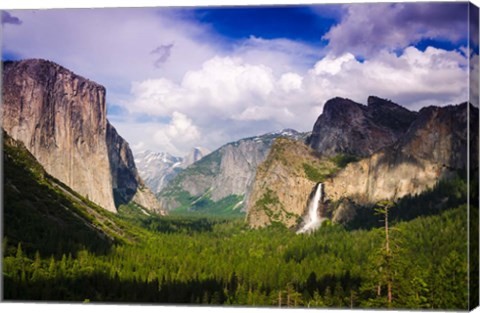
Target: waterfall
(313, 219)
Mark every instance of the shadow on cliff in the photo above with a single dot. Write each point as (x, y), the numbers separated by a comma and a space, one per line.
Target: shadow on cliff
(125, 179)
(41, 216)
(446, 194)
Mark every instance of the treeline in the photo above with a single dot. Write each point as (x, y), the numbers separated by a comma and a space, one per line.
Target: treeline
(445, 194)
(228, 263)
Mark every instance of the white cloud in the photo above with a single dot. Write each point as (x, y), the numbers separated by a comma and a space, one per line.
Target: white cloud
(222, 88)
(414, 79)
(228, 98)
(206, 92)
(177, 136)
(290, 82)
(332, 64)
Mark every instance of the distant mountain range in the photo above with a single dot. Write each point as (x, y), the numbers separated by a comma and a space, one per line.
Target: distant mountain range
(159, 168)
(221, 180)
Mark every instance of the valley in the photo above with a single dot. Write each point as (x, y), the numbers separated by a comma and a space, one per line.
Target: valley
(371, 209)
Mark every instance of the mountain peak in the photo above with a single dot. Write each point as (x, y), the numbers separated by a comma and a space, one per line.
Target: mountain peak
(194, 155)
(349, 127)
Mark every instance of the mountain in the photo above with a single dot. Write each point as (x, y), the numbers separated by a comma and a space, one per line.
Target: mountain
(127, 184)
(223, 178)
(284, 181)
(193, 156)
(433, 148)
(355, 129)
(61, 119)
(158, 168)
(404, 156)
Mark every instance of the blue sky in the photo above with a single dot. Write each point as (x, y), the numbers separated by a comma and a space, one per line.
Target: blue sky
(299, 23)
(183, 77)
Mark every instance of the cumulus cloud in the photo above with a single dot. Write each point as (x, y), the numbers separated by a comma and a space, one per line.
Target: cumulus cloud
(290, 82)
(229, 98)
(367, 29)
(413, 79)
(205, 90)
(177, 136)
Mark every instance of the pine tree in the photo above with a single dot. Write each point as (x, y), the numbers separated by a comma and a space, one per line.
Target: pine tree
(383, 208)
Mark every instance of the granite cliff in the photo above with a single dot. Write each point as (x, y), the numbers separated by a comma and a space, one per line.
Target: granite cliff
(284, 182)
(364, 154)
(352, 128)
(61, 119)
(127, 184)
(433, 148)
(223, 177)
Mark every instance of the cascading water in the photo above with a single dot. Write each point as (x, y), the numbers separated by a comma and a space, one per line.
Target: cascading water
(313, 219)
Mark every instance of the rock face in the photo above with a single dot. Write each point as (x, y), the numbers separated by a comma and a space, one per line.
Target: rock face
(283, 183)
(434, 147)
(228, 171)
(352, 128)
(61, 119)
(193, 156)
(403, 153)
(127, 184)
(157, 169)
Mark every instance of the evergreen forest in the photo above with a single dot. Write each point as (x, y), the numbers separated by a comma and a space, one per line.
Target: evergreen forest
(58, 246)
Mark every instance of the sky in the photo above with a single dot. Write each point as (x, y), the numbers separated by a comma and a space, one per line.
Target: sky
(177, 78)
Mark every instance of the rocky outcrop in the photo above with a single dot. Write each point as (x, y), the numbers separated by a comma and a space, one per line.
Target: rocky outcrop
(401, 157)
(352, 128)
(61, 119)
(196, 154)
(434, 147)
(228, 171)
(284, 183)
(127, 184)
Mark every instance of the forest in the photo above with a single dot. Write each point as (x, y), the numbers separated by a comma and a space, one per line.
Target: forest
(59, 246)
(224, 262)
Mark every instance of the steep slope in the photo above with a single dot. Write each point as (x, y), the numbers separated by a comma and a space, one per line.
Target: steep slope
(434, 148)
(61, 119)
(284, 182)
(159, 168)
(45, 215)
(193, 156)
(355, 129)
(224, 176)
(127, 184)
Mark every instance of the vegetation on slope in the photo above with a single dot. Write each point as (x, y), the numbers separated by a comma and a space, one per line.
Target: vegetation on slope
(228, 263)
(59, 246)
(447, 193)
(45, 215)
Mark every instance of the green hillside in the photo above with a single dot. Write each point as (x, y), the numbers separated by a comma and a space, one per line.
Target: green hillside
(43, 214)
(59, 246)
